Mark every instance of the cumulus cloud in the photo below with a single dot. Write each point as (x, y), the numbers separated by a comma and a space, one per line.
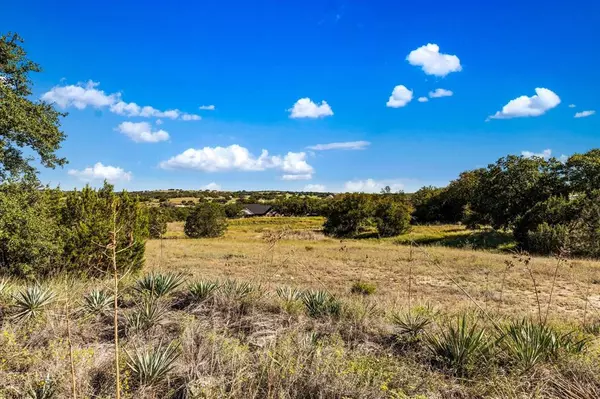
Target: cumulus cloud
(159, 122)
(305, 108)
(572, 105)
(584, 114)
(306, 176)
(433, 62)
(213, 187)
(83, 95)
(207, 107)
(372, 186)
(440, 93)
(400, 97)
(348, 145)
(235, 157)
(422, 99)
(547, 153)
(99, 171)
(536, 105)
(314, 188)
(142, 132)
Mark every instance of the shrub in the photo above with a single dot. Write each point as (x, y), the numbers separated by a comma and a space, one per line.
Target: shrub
(203, 290)
(237, 290)
(412, 324)
(98, 301)
(43, 389)
(30, 303)
(157, 222)
(321, 303)
(345, 214)
(392, 216)
(206, 220)
(149, 367)
(363, 288)
(548, 239)
(158, 285)
(145, 315)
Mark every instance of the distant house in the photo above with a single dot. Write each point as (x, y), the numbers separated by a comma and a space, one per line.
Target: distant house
(257, 210)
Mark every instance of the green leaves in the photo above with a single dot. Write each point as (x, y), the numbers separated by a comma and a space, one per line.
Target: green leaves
(203, 290)
(151, 366)
(31, 302)
(158, 285)
(321, 303)
(206, 220)
(97, 301)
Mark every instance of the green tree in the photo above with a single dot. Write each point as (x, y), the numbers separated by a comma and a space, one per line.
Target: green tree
(392, 216)
(583, 171)
(346, 214)
(24, 124)
(206, 220)
(157, 222)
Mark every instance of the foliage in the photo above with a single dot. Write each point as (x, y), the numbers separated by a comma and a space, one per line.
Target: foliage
(346, 214)
(203, 290)
(147, 314)
(24, 124)
(321, 303)
(158, 285)
(31, 302)
(151, 366)
(98, 301)
(87, 221)
(157, 222)
(206, 220)
(363, 288)
(30, 238)
(392, 216)
(459, 347)
(237, 290)
(232, 210)
(43, 389)
(412, 324)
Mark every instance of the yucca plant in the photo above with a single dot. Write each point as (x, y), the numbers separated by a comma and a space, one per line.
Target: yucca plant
(411, 324)
(459, 346)
(44, 389)
(158, 284)
(30, 302)
(289, 294)
(4, 286)
(321, 303)
(237, 290)
(147, 314)
(203, 290)
(528, 343)
(151, 366)
(98, 301)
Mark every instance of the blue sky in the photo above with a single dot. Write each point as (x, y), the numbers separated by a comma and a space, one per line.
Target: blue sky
(258, 63)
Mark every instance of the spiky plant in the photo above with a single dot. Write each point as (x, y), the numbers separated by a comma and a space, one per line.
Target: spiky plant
(4, 286)
(411, 324)
(321, 303)
(237, 290)
(30, 302)
(528, 343)
(147, 314)
(203, 290)
(158, 285)
(459, 346)
(151, 366)
(43, 389)
(289, 294)
(97, 301)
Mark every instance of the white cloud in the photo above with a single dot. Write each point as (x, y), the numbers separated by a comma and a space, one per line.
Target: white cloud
(536, 105)
(213, 187)
(207, 107)
(80, 96)
(547, 153)
(142, 132)
(306, 176)
(305, 108)
(433, 62)
(314, 188)
(86, 95)
(190, 117)
(159, 122)
(422, 99)
(400, 97)
(572, 105)
(112, 174)
(348, 145)
(372, 186)
(584, 114)
(440, 93)
(235, 157)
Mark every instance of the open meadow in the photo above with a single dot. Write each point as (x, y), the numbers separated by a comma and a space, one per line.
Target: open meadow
(274, 309)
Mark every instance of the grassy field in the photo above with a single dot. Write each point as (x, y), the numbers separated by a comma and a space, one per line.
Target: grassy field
(300, 315)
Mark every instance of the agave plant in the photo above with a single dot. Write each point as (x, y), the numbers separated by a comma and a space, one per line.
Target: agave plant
(459, 346)
(411, 324)
(151, 366)
(528, 343)
(44, 389)
(4, 286)
(97, 301)
(321, 303)
(288, 294)
(31, 302)
(236, 289)
(158, 285)
(203, 290)
(148, 313)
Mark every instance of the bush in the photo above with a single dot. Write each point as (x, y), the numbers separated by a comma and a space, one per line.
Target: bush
(548, 239)
(157, 222)
(363, 288)
(206, 220)
(392, 217)
(346, 213)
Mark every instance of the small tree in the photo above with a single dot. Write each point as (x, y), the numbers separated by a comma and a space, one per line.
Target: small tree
(157, 222)
(346, 214)
(206, 220)
(392, 216)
